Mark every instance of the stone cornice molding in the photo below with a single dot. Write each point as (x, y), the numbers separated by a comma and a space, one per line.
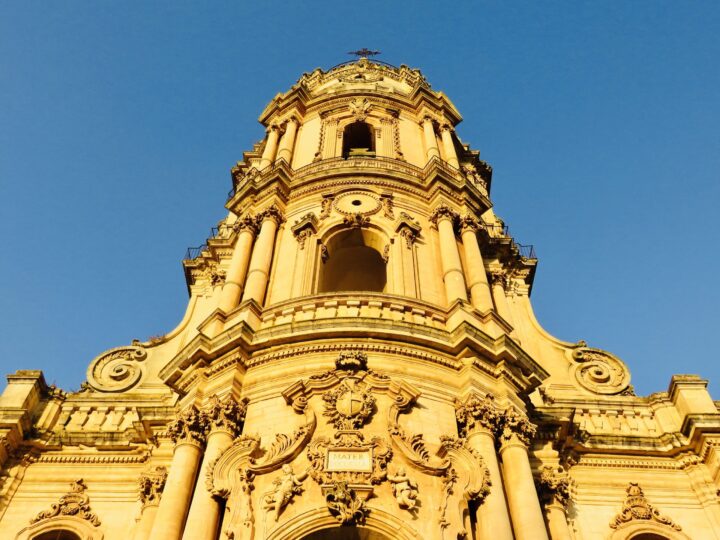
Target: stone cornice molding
(190, 427)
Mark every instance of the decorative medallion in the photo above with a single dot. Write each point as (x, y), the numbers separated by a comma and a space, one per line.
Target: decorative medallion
(348, 405)
(116, 370)
(357, 202)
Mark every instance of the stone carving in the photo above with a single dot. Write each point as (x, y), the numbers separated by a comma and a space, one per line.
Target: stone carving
(443, 211)
(468, 222)
(241, 521)
(348, 405)
(359, 108)
(117, 370)
(246, 223)
(408, 228)
(286, 487)
(356, 221)
(226, 415)
(472, 175)
(405, 489)
(386, 200)
(553, 486)
(324, 253)
(514, 425)
(396, 137)
(326, 206)
(190, 426)
(498, 278)
(637, 507)
(477, 413)
(386, 253)
(448, 481)
(599, 371)
(74, 503)
(272, 212)
(369, 465)
(344, 504)
(304, 228)
(151, 485)
(351, 361)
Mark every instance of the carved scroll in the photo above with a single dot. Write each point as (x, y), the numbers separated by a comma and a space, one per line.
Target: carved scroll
(116, 370)
(600, 372)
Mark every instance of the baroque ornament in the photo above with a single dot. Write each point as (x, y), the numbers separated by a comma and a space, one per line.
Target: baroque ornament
(405, 489)
(116, 370)
(286, 487)
(600, 372)
(74, 503)
(348, 405)
(226, 415)
(344, 504)
(637, 507)
(151, 485)
(190, 426)
(553, 486)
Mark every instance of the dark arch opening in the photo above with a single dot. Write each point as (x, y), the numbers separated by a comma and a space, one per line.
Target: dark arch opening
(346, 533)
(648, 536)
(358, 140)
(58, 534)
(352, 264)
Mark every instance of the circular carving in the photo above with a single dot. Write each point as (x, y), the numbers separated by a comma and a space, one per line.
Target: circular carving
(357, 202)
(116, 370)
(600, 372)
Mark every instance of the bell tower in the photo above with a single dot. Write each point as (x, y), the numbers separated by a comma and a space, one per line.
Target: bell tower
(359, 359)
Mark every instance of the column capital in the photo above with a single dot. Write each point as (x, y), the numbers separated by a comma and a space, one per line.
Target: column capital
(553, 486)
(272, 212)
(498, 277)
(190, 427)
(150, 486)
(272, 128)
(468, 223)
(226, 415)
(246, 223)
(515, 428)
(446, 127)
(443, 211)
(477, 413)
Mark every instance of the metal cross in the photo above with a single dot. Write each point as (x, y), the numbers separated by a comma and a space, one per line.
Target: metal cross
(364, 53)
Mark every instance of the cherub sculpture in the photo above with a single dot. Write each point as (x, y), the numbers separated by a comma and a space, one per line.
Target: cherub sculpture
(405, 489)
(286, 487)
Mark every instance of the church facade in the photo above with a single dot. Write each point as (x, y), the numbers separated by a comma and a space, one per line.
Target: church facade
(359, 359)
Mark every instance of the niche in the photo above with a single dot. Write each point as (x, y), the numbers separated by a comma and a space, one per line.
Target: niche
(353, 263)
(358, 140)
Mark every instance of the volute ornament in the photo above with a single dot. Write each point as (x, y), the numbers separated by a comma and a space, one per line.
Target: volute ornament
(600, 372)
(74, 503)
(637, 507)
(117, 370)
(443, 211)
(477, 413)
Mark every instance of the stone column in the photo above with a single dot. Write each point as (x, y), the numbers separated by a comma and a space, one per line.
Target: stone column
(225, 420)
(498, 293)
(480, 295)
(235, 277)
(525, 512)
(449, 146)
(478, 419)
(151, 487)
(554, 490)
(431, 149)
(288, 141)
(268, 155)
(257, 278)
(443, 218)
(188, 433)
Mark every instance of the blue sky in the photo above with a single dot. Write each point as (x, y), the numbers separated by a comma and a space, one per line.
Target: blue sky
(119, 122)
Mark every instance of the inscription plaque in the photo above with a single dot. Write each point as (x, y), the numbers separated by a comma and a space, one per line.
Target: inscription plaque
(349, 460)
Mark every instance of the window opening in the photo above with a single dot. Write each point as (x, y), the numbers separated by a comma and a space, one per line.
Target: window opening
(358, 140)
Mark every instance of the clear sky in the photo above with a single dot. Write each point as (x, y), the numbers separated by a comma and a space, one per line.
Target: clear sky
(119, 122)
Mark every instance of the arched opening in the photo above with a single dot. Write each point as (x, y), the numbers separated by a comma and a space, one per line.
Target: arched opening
(648, 536)
(346, 533)
(358, 140)
(353, 263)
(57, 534)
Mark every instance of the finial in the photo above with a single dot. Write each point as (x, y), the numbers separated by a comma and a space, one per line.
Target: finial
(364, 53)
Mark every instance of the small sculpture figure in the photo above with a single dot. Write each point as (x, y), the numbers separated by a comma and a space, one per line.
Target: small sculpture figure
(286, 487)
(404, 488)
